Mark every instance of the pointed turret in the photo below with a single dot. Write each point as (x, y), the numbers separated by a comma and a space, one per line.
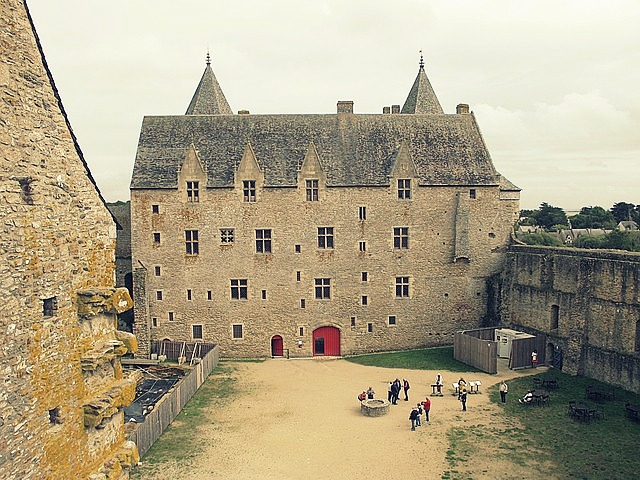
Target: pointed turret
(208, 99)
(422, 99)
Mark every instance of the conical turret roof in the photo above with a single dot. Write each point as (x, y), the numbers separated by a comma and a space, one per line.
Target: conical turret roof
(208, 99)
(422, 99)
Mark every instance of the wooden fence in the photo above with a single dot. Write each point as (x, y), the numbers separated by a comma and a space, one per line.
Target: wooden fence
(521, 349)
(168, 408)
(477, 348)
(173, 350)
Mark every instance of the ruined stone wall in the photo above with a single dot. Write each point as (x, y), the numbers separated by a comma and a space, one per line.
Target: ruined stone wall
(594, 296)
(445, 296)
(57, 239)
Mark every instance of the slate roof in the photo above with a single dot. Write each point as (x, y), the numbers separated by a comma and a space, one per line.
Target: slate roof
(422, 99)
(353, 149)
(208, 99)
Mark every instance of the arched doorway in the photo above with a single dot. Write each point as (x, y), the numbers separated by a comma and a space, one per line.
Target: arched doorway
(326, 341)
(276, 346)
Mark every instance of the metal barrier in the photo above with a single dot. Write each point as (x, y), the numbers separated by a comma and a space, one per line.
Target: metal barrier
(167, 409)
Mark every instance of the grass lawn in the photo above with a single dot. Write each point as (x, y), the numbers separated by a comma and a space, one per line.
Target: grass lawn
(531, 435)
(439, 358)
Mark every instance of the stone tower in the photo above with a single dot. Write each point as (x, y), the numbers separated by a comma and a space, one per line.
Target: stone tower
(63, 387)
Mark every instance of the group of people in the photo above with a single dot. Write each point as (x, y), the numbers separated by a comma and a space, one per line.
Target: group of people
(416, 413)
(394, 389)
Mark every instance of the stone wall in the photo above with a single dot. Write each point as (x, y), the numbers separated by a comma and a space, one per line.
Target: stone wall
(59, 351)
(447, 290)
(586, 301)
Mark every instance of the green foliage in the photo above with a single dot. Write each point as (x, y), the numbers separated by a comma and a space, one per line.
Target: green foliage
(440, 358)
(622, 211)
(547, 216)
(593, 217)
(541, 238)
(616, 240)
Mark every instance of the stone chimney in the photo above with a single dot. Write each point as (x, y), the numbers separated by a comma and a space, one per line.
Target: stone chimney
(386, 110)
(345, 106)
(395, 108)
(462, 108)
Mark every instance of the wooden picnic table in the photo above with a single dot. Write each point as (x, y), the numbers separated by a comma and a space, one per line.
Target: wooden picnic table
(632, 411)
(599, 394)
(540, 397)
(550, 383)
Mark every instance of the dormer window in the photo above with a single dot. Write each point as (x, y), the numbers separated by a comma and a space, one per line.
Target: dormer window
(312, 190)
(193, 192)
(249, 190)
(404, 188)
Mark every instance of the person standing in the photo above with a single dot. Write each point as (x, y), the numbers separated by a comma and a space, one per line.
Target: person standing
(504, 388)
(370, 393)
(439, 383)
(426, 406)
(463, 398)
(390, 392)
(406, 387)
(413, 416)
(395, 391)
(418, 421)
(362, 396)
(534, 359)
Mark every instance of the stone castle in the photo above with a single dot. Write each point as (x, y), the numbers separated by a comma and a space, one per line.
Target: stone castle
(63, 387)
(307, 234)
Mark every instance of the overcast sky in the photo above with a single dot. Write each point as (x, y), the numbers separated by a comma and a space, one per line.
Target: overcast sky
(554, 85)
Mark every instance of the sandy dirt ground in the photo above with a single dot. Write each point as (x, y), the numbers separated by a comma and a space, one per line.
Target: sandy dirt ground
(300, 419)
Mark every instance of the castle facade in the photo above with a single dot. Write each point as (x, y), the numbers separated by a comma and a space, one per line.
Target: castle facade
(308, 234)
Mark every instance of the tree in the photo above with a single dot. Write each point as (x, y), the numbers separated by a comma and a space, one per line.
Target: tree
(593, 217)
(548, 216)
(623, 211)
(541, 238)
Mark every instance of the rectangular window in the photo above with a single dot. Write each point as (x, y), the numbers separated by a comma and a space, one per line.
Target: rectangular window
(155, 209)
(404, 189)
(264, 294)
(157, 271)
(193, 191)
(239, 289)
(209, 295)
(263, 241)
(301, 331)
(325, 237)
(158, 294)
(401, 237)
(189, 294)
(353, 321)
(472, 193)
(369, 327)
(312, 190)
(249, 190)
(298, 276)
(226, 235)
(365, 300)
(303, 303)
(402, 287)
(171, 316)
(191, 242)
(297, 248)
(196, 332)
(236, 331)
(154, 322)
(156, 237)
(323, 288)
(364, 276)
(362, 213)
(392, 319)
(49, 306)
(362, 246)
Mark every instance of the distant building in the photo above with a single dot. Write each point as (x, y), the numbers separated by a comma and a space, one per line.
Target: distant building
(628, 226)
(315, 234)
(63, 387)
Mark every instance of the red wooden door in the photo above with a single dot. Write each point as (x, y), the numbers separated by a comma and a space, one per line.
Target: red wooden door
(276, 346)
(326, 341)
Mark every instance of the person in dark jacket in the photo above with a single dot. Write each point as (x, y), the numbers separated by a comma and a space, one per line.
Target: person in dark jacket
(413, 417)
